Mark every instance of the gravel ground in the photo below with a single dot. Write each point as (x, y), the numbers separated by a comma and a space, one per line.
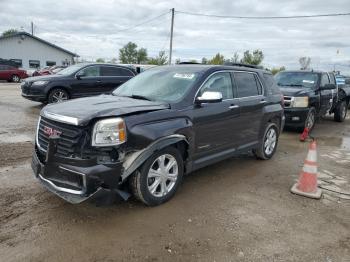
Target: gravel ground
(240, 209)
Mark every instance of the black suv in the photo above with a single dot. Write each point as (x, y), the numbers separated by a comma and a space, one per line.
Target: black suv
(79, 80)
(162, 124)
(312, 94)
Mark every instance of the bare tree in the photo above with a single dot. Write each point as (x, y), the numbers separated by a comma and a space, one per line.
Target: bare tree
(304, 62)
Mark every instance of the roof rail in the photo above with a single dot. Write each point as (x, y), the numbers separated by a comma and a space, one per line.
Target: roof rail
(243, 65)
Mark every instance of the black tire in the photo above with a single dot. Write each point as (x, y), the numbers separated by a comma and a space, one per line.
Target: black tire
(139, 180)
(340, 111)
(261, 151)
(54, 95)
(15, 79)
(310, 120)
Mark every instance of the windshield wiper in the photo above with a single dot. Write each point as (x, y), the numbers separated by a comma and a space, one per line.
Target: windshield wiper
(291, 85)
(139, 97)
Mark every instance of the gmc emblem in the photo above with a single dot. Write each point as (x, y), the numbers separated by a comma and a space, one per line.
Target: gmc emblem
(51, 132)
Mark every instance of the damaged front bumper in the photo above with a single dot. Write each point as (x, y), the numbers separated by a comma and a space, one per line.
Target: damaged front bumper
(78, 180)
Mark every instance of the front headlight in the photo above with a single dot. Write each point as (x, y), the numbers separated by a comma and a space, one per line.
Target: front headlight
(40, 83)
(302, 101)
(109, 132)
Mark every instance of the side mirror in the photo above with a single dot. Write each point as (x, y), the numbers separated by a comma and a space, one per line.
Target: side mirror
(209, 97)
(347, 81)
(328, 87)
(80, 74)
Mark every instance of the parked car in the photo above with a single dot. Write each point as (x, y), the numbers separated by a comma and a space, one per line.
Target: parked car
(312, 94)
(162, 124)
(48, 70)
(12, 74)
(78, 80)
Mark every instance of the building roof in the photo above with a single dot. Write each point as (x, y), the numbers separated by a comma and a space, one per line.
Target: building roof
(40, 40)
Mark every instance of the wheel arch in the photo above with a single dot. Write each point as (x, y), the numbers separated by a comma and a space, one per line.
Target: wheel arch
(134, 160)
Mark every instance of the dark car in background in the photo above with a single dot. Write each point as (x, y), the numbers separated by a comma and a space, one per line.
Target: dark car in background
(309, 95)
(78, 80)
(11, 73)
(166, 122)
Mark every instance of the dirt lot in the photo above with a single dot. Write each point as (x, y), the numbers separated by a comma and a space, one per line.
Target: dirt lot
(238, 210)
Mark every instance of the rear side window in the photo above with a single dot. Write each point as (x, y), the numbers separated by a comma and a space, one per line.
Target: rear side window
(324, 80)
(247, 84)
(271, 84)
(332, 78)
(115, 71)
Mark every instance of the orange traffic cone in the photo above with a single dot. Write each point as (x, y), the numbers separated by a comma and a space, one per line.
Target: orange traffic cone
(307, 184)
(304, 135)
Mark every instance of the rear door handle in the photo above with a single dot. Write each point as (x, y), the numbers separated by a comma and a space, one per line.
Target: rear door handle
(263, 101)
(233, 106)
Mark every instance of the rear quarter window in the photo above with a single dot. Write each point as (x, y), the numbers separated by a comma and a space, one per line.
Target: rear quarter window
(271, 86)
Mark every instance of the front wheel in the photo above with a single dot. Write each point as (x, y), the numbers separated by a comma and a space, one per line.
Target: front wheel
(57, 95)
(340, 111)
(158, 178)
(267, 146)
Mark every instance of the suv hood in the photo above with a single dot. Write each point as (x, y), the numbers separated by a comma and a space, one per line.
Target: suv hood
(295, 91)
(81, 111)
(44, 78)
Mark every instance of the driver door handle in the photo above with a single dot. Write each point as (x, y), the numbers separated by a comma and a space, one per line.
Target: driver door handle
(233, 106)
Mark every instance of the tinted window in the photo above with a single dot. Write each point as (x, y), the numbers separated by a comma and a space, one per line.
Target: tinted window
(115, 71)
(324, 80)
(332, 78)
(247, 84)
(271, 84)
(91, 71)
(220, 82)
(18, 62)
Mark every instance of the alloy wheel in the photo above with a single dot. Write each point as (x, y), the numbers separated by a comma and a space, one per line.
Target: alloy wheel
(162, 175)
(59, 96)
(270, 141)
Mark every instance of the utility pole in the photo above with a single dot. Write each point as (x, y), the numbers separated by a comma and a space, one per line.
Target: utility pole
(171, 34)
(32, 27)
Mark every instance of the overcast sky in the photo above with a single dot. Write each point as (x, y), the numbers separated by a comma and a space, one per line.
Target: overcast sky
(92, 28)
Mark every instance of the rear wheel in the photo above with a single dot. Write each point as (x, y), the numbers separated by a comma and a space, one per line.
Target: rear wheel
(340, 111)
(267, 147)
(158, 178)
(15, 78)
(57, 95)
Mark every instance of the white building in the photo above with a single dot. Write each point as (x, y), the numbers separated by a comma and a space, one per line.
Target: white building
(31, 52)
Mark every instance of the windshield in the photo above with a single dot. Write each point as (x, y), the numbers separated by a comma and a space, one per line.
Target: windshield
(166, 84)
(297, 79)
(70, 70)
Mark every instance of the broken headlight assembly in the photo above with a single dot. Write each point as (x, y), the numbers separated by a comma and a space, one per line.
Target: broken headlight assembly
(109, 132)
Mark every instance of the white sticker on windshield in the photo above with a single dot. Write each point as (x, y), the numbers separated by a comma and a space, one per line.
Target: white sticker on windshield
(184, 76)
(309, 81)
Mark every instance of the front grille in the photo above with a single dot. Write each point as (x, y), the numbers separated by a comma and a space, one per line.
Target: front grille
(70, 137)
(288, 100)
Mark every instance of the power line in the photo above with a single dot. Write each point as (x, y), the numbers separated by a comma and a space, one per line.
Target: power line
(145, 22)
(263, 17)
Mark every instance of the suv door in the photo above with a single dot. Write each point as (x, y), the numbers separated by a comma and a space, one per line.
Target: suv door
(89, 83)
(215, 123)
(326, 98)
(113, 76)
(251, 97)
